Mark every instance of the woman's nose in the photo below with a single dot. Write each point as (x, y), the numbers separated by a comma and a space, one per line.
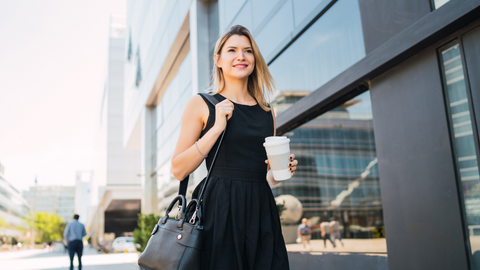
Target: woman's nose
(240, 55)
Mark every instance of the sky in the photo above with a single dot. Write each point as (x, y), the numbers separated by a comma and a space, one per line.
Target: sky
(52, 70)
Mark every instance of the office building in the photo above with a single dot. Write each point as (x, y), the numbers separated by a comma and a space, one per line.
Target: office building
(379, 97)
(83, 186)
(14, 212)
(52, 199)
(116, 187)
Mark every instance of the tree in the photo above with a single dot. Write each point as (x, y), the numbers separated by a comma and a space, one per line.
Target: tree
(3, 222)
(145, 225)
(50, 227)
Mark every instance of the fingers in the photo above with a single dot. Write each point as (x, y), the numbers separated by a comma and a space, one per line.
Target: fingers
(225, 108)
(266, 161)
(292, 166)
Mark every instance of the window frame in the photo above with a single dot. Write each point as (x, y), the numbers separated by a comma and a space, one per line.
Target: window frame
(458, 38)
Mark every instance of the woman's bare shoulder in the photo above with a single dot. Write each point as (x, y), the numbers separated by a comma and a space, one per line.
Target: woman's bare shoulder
(197, 103)
(196, 107)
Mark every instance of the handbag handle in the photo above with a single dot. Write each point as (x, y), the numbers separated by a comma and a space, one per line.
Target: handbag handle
(184, 184)
(181, 201)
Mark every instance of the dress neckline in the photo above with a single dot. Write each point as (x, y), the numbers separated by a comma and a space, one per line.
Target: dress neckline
(246, 105)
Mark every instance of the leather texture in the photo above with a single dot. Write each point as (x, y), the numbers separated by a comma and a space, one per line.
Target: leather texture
(174, 244)
(165, 251)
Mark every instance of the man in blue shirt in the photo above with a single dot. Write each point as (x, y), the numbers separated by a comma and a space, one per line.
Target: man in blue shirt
(73, 234)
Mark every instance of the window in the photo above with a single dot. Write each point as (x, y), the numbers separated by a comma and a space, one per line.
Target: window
(460, 119)
(129, 52)
(330, 46)
(138, 76)
(439, 3)
(337, 176)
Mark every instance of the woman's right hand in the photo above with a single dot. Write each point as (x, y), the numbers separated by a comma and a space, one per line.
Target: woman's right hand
(223, 113)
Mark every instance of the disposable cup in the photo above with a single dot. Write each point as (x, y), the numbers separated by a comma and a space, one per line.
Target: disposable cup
(275, 138)
(278, 153)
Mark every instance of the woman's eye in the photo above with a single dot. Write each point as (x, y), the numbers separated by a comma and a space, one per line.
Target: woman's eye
(231, 50)
(248, 51)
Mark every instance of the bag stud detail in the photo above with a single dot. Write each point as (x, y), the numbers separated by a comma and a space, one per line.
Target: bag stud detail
(179, 236)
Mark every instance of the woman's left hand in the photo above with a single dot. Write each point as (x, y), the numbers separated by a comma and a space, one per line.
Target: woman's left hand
(292, 166)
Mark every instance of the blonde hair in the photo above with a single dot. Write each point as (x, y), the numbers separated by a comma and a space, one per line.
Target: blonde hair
(260, 83)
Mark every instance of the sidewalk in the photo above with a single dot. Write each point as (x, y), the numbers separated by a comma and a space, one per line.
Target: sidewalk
(45, 260)
(364, 246)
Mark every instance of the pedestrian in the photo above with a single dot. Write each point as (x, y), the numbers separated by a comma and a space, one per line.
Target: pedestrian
(325, 232)
(73, 234)
(335, 230)
(241, 222)
(304, 233)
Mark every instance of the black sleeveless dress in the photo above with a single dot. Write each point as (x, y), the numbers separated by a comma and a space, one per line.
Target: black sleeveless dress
(241, 222)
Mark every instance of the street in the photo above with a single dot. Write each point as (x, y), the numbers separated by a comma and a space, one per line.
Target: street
(45, 260)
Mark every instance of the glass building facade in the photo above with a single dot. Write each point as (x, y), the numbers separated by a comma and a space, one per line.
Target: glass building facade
(379, 99)
(458, 103)
(337, 177)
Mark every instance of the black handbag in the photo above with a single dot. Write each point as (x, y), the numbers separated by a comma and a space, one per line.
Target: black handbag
(176, 244)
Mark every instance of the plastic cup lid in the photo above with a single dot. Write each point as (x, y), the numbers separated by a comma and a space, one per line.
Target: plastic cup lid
(276, 142)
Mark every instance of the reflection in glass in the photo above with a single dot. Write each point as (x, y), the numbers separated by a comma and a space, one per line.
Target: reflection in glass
(337, 177)
(303, 8)
(462, 136)
(439, 3)
(331, 45)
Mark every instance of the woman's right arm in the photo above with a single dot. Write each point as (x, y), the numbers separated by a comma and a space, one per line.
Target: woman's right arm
(186, 157)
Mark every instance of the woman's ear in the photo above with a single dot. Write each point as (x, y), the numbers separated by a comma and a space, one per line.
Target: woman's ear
(216, 57)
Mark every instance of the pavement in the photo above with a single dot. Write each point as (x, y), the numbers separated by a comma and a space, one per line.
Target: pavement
(48, 260)
(362, 246)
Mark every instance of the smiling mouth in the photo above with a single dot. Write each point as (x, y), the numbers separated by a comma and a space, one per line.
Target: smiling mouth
(240, 66)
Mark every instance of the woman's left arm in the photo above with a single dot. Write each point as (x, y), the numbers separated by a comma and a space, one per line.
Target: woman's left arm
(292, 166)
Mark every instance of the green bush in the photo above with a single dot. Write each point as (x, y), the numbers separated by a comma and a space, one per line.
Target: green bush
(145, 225)
(49, 227)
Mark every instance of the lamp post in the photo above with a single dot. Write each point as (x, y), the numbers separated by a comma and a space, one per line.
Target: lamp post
(34, 214)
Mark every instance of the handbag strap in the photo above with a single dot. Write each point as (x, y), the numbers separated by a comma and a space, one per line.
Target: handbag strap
(184, 184)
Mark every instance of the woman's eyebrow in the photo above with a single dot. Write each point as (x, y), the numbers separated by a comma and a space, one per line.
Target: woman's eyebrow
(233, 47)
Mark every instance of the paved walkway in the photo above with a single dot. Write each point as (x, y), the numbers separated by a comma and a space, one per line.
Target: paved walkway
(45, 260)
(369, 246)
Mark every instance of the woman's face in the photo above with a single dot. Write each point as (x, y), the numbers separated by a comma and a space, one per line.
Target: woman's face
(236, 59)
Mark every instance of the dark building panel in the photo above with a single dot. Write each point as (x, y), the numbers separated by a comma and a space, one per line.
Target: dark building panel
(422, 213)
(383, 19)
(121, 216)
(471, 44)
(305, 260)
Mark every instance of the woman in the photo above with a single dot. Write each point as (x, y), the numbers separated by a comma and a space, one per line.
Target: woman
(241, 223)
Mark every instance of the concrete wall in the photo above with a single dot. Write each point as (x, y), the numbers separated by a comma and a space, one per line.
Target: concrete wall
(123, 165)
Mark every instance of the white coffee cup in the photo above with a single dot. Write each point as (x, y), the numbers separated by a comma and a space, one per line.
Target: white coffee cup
(278, 152)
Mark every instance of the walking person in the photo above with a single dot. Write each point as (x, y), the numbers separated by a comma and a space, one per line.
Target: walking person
(73, 234)
(240, 217)
(335, 230)
(325, 232)
(304, 233)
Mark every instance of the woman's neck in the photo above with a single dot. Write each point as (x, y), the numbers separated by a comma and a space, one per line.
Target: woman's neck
(237, 91)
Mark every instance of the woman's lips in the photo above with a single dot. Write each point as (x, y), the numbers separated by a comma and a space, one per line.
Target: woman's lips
(240, 66)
